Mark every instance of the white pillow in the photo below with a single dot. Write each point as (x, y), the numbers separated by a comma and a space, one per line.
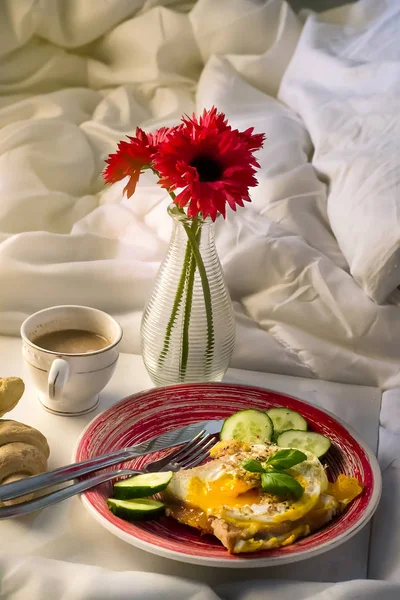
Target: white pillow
(344, 81)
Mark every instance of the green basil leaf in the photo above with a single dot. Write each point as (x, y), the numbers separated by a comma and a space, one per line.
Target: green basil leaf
(253, 466)
(281, 484)
(285, 459)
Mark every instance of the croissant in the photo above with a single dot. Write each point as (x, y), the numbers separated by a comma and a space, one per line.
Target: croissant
(23, 450)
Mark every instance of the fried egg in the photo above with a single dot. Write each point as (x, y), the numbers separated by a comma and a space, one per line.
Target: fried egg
(222, 498)
(223, 488)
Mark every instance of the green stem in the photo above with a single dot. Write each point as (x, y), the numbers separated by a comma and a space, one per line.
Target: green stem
(177, 302)
(188, 308)
(192, 259)
(206, 293)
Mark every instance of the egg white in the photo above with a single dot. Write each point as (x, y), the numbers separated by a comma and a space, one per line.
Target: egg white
(310, 474)
(267, 509)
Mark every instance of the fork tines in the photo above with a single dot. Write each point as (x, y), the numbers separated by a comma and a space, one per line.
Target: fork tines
(195, 451)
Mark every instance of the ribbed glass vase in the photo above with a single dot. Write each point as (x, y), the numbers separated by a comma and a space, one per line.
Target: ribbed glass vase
(188, 325)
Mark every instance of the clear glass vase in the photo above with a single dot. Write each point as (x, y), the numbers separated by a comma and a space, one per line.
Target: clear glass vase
(188, 325)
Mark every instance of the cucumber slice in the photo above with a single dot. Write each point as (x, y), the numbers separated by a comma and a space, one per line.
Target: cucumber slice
(141, 509)
(284, 418)
(142, 485)
(275, 435)
(251, 425)
(305, 440)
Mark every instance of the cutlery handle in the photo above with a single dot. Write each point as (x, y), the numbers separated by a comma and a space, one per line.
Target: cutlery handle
(9, 491)
(17, 510)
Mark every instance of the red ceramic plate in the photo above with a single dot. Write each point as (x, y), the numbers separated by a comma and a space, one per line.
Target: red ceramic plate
(159, 410)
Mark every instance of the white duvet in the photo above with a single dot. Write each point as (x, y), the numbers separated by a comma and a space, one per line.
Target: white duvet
(312, 264)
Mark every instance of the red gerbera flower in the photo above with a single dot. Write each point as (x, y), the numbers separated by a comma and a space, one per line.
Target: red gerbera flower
(132, 157)
(211, 163)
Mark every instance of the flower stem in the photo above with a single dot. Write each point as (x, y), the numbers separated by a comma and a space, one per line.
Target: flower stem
(188, 306)
(206, 293)
(192, 259)
(177, 301)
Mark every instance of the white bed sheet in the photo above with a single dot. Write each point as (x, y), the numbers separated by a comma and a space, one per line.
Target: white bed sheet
(75, 80)
(75, 77)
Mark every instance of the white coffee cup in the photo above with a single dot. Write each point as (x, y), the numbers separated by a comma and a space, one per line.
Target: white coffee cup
(69, 384)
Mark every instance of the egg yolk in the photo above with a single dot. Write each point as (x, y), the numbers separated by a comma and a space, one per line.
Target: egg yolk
(225, 491)
(345, 489)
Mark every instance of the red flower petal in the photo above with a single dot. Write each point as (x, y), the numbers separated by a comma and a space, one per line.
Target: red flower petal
(208, 162)
(131, 157)
(212, 164)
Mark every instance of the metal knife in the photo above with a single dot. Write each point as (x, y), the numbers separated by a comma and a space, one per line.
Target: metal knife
(167, 440)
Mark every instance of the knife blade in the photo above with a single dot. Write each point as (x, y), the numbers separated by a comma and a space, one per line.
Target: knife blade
(178, 436)
(172, 438)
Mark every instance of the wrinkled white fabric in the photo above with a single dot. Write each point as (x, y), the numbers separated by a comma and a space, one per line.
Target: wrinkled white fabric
(75, 80)
(311, 264)
(39, 578)
(385, 541)
(348, 101)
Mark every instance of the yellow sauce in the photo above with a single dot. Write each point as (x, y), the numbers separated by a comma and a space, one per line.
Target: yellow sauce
(345, 489)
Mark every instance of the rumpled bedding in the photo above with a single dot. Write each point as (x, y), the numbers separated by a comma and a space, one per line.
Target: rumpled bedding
(312, 264)
(40, 578)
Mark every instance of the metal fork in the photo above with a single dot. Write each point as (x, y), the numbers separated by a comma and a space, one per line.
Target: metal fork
(186, 457)
(175, 437)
